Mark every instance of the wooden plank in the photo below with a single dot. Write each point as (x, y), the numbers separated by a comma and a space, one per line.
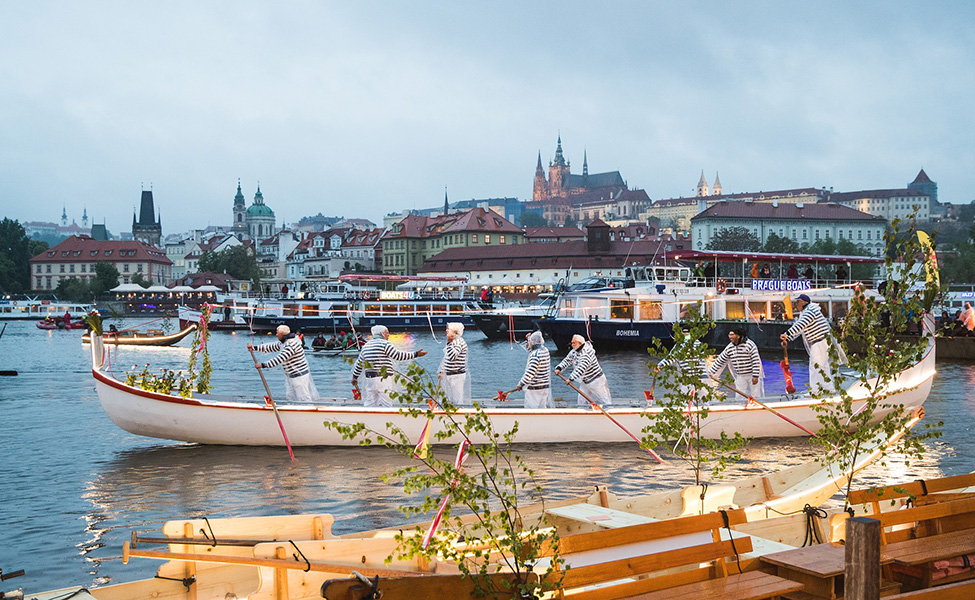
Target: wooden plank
(747, 586)
(294, 527)
(607, 518)
(638, 565)
(911, 488)
(929, 549)
(955, 591)
(645, 531)
(425, 587)
(926, 512)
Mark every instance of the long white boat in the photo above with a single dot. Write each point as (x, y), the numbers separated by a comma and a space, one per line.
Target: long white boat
(233, 420)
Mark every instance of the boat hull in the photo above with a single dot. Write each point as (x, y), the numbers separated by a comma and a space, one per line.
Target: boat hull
(144, 340)
(501, 327)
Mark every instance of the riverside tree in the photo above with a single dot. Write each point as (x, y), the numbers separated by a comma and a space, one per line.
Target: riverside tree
(877, 337)
(496, 535)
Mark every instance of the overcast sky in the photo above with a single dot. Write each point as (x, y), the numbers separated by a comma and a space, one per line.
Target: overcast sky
(358, 109)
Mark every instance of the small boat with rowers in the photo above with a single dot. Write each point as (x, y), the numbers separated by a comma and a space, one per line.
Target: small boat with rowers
(149, 337)
(60, 323)
(231, 420)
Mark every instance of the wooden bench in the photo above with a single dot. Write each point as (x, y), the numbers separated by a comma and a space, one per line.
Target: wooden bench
(655, 560)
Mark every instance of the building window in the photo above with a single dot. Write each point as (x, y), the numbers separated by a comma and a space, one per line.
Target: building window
(71, 268)
(473, 238)
(139, 267)
(805, 234)
(860, 235)
(487, 238)
(501, 239)
(125, 268)
(868, 234)
(62, 266)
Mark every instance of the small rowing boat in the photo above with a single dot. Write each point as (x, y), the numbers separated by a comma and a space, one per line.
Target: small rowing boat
(139, 338)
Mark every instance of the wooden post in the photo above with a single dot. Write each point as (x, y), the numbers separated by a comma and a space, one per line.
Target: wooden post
(862, 580)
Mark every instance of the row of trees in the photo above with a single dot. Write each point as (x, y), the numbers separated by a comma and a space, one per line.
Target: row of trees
(16, 250)
(741, 239)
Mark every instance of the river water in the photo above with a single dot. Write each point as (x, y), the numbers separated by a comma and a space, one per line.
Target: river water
(75, 486)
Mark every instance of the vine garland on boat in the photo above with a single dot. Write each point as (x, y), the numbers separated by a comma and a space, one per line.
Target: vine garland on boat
(199, 349)
(495, 536)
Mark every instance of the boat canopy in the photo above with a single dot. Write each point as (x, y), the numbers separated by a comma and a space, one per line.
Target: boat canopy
(726, 255)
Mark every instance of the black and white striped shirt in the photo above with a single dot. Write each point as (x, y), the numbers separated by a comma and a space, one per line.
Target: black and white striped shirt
(583, 362)
(291, 358)
(811, 325)
(454, 357)
(694, 367)
(376, 354)
(537, 376)
(742, 360)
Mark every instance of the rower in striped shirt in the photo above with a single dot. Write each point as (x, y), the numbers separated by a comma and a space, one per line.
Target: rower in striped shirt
(815, 332)
(688, 356)
(742, 359)
(585, 367)
(537, 381)
(454, 376)
(298, 383)
(375, 361)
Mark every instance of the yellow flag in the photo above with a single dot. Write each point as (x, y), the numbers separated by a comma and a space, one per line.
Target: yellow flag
(931, 259)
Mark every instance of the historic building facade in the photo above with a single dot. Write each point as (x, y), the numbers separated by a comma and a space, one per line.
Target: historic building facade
(255, 222)
(76, 257)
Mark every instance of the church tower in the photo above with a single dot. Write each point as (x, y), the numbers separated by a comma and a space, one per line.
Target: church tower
(240, 212)
(716, 188)
(84, 218)
(558, 171)
(702, 186)
(540, 189)
(260, 218)
(147, 228)
(64, 216)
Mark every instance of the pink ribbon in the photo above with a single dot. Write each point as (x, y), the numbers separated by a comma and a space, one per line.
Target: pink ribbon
(461, 454)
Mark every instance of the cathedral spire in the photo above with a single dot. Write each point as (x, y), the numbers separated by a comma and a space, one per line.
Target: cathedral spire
(538, 167)
(585, 164)
(446, 205)
(716, 188)
(559, 159)
(702, 186)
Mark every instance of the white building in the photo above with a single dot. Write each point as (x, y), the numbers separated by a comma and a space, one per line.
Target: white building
(803, 223)
(889, 204)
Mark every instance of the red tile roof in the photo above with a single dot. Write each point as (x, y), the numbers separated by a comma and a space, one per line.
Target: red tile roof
(84, 249)
(475, 220)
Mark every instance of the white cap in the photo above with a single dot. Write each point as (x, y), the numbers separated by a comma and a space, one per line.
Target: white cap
(283, 330)
(378, 330)
(456, 327)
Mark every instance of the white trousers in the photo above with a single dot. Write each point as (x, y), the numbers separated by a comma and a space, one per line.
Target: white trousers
(455, 389)
(744, 383)
(597, 390)
(375, 391)
(819, 359)
(538, 398)
(300, 388)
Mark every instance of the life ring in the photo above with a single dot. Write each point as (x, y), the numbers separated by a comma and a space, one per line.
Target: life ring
(722, 286)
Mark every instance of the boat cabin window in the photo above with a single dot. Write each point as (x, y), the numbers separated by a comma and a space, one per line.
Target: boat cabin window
(389, 309)
(686, 308)
(291, 310)
(372, 310)
(651, 311)
(758, 309)
(309, 310)
(840, 308)
(734, 310)
(778, 310)
(340, 309)
(621, 309)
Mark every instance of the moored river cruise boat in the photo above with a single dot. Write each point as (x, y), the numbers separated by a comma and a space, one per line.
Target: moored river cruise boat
(654, 298)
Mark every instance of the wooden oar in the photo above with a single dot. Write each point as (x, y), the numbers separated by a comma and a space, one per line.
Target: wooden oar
(618, 424)
(790, 388)
(503, 396)
(273, 405)
(763, 405)
(278, 563)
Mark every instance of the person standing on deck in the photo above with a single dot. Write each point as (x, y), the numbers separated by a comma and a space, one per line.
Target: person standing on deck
(298, 383)
(694, 365)
(585, 367)
(376, 356)
(967, 318)
(742, 359)
(537, 380)
(812, 325)
(453, 374)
